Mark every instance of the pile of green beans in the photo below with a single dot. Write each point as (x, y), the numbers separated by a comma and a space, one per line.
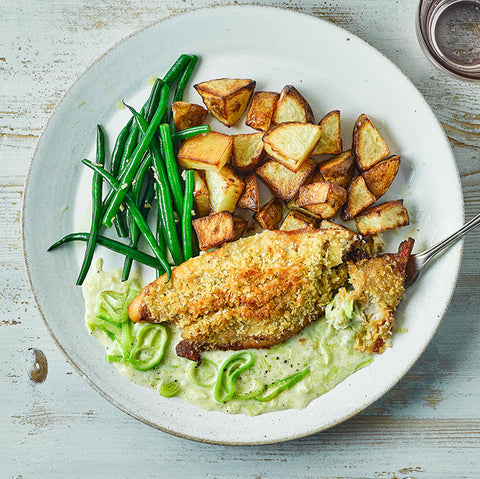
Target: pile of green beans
(144, 171)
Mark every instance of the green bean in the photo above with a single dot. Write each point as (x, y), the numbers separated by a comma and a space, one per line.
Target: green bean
(176, 69)
(172, 166)
(137, 215)
(96, 208)
(130, 145)
(164, 196)
(184, 79)
(187, 215)
(189, 132)
(148, 109)
(153, 100)
(134, 231)
(134, 162)
(112, 245)
(119, 148)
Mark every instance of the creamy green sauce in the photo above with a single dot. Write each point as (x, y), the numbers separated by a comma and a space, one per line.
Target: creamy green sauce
(326, 347)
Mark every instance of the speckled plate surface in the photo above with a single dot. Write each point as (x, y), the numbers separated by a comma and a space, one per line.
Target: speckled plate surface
(334, 70)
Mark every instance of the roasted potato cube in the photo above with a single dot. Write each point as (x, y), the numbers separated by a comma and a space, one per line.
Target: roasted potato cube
(201, 195)
(317, 177)
(239, 226)
(250, 198)
(270, 215)
(358, 198)
(330, 225)
(225, 188)
(323, 199)
(384, 217)
(339, 169)
(209, 151)
(259, 117)
(186, 115)
(291, 143)
(283, 182)
(226, 98)
(293, 205)
(214, 230)
(330, 140)
(368, 146)
(380, 177)
(291, 106)
(247, 152)
(295, 220)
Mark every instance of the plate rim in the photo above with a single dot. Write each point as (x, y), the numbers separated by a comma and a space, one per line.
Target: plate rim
(85, 376)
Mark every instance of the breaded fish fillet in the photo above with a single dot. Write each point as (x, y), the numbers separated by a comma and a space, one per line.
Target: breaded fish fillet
(253, 293)
(378, 284)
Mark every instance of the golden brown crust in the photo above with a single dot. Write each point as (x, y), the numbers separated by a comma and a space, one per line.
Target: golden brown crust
(378, 284)
(256, 292)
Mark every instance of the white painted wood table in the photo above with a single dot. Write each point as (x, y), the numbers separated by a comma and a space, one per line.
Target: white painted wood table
(428, 426)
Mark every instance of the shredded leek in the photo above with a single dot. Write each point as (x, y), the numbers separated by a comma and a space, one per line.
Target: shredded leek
(142, 351)
(203, 375)
(274, 389)
(363, 364)
(149, 347)
(231, 368)
(113, 306)
(169, 389)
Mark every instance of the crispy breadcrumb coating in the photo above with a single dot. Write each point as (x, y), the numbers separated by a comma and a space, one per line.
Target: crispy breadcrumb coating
(378, 285)
(253, 293)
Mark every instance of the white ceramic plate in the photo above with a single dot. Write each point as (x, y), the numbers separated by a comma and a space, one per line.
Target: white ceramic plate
(334, 70)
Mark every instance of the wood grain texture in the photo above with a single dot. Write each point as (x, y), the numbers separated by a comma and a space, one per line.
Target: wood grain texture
(427, 426)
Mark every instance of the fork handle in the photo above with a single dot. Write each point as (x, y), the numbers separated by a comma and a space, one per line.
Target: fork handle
(473, 223)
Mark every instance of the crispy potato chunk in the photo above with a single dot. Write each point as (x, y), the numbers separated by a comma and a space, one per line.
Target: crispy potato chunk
(330, 140)
(317, 177)
(270, 215)
(226, 98)
(239, 226)
(209, 151)
(293, 205)
(283, 182)
(186, 115)
(292, 106)
(339, 169)
(225, 189)
(259, 117)
(380, 177)
(384, 217)
(247, 152)
(295, 220)
(214, 230)
(201, 195)
(291, 143)
(368, 146)
(359, 198)
(250, 198)
(323, 199)
(330, 225)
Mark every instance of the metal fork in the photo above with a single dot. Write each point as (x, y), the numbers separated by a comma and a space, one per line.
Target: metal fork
(417, 261)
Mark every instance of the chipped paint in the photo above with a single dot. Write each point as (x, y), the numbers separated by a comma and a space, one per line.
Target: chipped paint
(37, 366)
